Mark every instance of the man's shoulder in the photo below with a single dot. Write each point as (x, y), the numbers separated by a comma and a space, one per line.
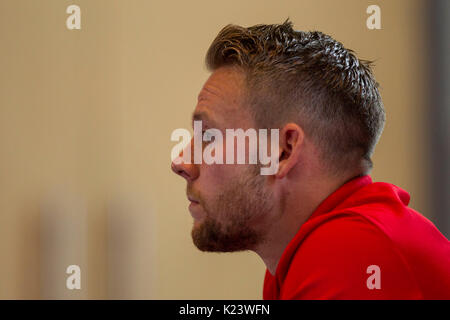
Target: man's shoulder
(336, 259)
(344, 232)
(342, 240)
(334, 252)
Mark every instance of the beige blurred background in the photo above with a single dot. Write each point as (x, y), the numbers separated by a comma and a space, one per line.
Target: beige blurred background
(85, 123)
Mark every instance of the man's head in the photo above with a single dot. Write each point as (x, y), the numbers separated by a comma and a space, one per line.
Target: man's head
(324, 101)
(310, 79)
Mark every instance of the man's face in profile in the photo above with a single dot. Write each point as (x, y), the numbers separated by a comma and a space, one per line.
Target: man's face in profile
(229, 202)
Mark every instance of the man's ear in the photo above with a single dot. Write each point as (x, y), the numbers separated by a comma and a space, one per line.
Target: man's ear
(291, 143)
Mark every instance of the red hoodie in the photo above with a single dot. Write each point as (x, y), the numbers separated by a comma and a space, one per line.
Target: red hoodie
(363, 242)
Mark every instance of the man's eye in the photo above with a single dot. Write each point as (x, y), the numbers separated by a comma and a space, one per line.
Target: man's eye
(207, 135)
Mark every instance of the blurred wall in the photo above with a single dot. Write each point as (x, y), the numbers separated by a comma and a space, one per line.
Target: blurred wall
(88, 113)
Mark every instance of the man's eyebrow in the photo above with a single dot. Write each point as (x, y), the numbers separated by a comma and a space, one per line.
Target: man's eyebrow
(201, 116)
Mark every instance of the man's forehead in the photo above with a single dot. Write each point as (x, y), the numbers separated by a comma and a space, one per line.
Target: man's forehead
(221, 93)
(208, 92)
(225, 83)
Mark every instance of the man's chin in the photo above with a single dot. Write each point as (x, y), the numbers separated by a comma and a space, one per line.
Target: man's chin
(207, 235)
(200, 236)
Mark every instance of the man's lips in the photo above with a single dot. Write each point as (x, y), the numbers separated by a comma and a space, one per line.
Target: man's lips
(194, 208)
(192, 199)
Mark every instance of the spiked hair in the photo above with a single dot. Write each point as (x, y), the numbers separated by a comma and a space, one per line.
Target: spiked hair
(308, 78)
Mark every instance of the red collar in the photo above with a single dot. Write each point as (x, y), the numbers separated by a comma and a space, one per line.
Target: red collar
(342, 193)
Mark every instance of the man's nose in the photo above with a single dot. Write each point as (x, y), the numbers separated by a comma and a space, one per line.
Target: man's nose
(188, 169)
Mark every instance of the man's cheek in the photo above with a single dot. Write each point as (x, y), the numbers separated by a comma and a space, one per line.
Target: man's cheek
(215, 176)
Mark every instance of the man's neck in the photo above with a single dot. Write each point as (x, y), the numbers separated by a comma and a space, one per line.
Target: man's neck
(295, 211)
